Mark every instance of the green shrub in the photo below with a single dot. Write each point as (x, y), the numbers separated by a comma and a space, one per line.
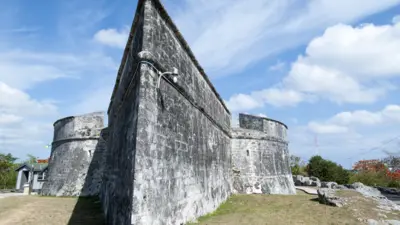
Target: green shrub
(373, 178)
(327, 170)
(299, 170)
(394, 184)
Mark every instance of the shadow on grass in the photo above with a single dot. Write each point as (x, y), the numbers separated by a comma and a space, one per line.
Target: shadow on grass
(87, 211)
(110, 174)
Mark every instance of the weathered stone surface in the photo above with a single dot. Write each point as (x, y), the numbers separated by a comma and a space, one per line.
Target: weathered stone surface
(171, 154)
(383, 222)
(331, 185)
(316, 179)
(328, 196)
(74, 144)
(373, 193)
(340, 187)
(300, 180)
(261, 155)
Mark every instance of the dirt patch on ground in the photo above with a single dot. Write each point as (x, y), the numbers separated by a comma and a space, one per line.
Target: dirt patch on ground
(33, 210)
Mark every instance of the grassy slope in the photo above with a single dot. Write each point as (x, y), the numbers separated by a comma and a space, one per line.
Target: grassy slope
(280, 209)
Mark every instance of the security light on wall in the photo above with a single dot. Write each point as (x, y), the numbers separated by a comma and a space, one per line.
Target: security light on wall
(173, 73)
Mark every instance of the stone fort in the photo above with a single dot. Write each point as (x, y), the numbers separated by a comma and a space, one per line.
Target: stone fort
(169, 154)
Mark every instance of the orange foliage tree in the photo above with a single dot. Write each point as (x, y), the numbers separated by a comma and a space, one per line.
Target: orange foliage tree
(375, 165)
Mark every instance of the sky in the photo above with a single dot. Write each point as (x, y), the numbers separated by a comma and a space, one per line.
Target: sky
(330, 70)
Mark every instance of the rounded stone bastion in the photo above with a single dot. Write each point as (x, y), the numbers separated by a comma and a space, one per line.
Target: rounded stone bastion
(76, 156)
(260, 157)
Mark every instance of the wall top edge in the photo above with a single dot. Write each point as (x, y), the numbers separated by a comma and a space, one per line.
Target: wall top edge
(98, 113)
(163, 13)
(264, 118)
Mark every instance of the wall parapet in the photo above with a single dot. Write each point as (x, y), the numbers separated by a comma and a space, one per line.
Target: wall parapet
(159, 6)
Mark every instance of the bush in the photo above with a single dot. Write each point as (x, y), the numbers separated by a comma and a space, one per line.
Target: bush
(327, 170)
(370, 178)
(299, 170)
(297, 165)
(375, 178)
(394, 184)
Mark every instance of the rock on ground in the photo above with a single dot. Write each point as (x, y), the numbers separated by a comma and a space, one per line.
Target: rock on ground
(328, 196)
(383, 222)
(306, 181)
(373, 193)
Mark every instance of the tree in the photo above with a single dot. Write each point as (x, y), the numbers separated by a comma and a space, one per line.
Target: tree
(8, 176)
(297, 165)
(327, 170)
(369, 165)
(31, 159)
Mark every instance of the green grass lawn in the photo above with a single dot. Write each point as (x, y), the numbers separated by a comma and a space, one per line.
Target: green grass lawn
(238, 209)
(277, 210)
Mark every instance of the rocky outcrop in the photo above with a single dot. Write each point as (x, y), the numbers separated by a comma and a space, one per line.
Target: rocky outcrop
(383, 222)
(374, 194)
(300, 180)
(328, 196)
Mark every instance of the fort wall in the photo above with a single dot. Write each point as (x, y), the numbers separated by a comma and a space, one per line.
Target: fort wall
(171, 145)
(260, 157)
(74, 144)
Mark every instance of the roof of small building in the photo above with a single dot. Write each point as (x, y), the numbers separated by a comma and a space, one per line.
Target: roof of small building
(37, 167)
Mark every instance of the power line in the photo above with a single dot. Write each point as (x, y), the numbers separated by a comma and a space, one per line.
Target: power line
(377, 147)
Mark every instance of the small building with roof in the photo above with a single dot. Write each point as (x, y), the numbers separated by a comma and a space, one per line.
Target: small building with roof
(35, 173)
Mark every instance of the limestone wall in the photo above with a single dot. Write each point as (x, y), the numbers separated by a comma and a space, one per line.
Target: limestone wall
(74, 144)
(173, 145)
(260, 157)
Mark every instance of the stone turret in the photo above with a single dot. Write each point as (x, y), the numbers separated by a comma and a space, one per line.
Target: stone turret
(73, 147)
(260, 157)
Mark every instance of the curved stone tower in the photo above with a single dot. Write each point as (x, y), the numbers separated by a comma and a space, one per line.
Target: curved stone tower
(74, 145)
(260, 157)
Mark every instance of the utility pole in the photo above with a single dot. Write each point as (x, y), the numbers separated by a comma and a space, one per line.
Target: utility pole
(316, 145)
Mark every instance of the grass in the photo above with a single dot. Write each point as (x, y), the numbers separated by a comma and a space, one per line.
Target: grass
(296, 209)
(32, 210)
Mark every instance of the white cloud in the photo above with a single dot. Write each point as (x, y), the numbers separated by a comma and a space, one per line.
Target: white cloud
(24, 126)
(273, 96)
(280, 97)
(250, 30)
(9, 118)
(279, 66)
(262, 115)
(364, 52)
(344, 65)
(25, 69)
(347, 137)
(326, 128)
(331, 84)
(241, 102)
(16, 102)
(112, 37)
(396, 19)
(97, 98)
(356, 120)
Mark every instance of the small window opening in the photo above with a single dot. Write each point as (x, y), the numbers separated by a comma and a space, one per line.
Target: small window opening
(248, 152)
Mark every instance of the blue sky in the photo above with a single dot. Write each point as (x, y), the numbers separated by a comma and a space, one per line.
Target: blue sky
(328, 69)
